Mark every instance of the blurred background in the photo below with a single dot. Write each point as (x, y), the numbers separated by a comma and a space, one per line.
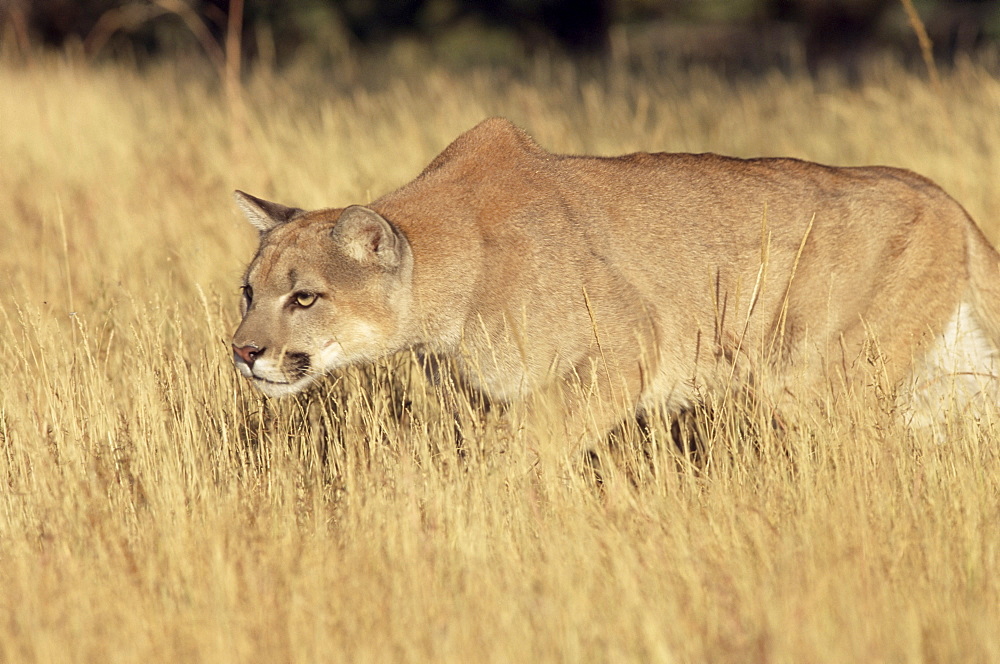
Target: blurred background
(731, 35)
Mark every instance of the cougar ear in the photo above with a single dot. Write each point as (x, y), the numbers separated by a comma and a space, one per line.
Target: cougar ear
(264, 215)
(368, 237)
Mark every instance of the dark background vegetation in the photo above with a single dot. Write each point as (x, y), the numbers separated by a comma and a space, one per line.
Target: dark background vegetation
(739, 33)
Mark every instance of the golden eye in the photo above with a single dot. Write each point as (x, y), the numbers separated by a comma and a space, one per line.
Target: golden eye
(304, 299)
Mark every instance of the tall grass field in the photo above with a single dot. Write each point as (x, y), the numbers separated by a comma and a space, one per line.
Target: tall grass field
(155, 508)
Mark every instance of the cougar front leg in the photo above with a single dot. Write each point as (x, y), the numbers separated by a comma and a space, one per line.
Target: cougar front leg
(572, 418)
(467, 406)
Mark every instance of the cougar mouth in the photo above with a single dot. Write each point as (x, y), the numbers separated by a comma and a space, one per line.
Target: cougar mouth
(268, 381)
(274, 388)
(287, 374)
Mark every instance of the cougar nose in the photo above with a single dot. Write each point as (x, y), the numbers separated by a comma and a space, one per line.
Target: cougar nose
(247, 353)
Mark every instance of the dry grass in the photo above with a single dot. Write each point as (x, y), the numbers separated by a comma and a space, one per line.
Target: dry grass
(154, 508)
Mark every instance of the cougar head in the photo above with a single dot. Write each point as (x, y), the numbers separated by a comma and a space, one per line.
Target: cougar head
(326, 289)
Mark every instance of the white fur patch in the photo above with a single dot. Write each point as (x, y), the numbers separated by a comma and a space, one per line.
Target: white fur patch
(959, 375)
(331, 356)
(361, 342)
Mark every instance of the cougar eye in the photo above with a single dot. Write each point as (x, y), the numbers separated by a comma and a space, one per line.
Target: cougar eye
(304, 299)
(247, 294)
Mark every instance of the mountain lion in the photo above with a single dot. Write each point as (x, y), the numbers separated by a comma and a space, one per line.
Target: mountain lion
(625, 283)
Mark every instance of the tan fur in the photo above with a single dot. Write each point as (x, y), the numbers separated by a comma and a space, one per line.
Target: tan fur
(641, 280)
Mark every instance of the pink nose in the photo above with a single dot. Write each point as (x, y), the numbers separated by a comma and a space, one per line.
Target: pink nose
(247, 353)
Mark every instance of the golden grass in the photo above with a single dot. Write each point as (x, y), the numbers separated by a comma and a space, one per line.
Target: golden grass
(155, 508)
